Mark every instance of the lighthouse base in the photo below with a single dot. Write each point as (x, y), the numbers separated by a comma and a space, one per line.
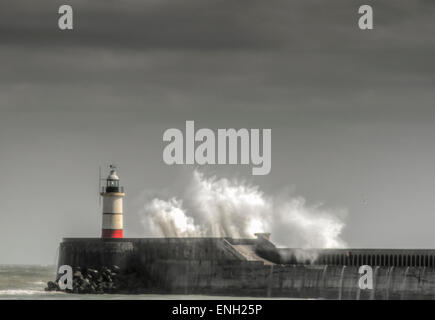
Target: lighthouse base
(112, 233)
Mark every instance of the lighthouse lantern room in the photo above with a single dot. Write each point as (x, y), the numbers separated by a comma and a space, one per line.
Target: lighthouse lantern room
(112, 194)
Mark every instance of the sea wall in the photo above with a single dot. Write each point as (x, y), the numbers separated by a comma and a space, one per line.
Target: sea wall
(298, 281)
(95, 252)
(212, 266)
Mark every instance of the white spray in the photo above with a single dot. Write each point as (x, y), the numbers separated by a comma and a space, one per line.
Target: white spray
(229, 208)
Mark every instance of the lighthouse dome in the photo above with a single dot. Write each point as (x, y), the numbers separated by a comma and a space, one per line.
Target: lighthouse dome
(113, 175)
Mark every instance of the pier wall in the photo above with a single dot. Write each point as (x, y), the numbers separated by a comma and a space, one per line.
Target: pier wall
(213, 266)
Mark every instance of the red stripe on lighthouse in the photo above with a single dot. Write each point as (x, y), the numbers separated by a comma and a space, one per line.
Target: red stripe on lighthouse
(112, 233)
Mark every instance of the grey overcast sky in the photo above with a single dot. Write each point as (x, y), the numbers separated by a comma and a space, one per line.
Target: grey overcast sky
(352, 112)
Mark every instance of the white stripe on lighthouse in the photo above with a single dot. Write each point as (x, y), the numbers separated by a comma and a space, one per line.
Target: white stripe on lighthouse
(112, 204)
(112, 221)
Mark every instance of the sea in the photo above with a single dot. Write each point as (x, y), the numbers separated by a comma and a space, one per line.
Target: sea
(27, 282)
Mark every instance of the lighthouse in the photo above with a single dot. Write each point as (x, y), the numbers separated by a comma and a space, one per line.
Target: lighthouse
(112, 194)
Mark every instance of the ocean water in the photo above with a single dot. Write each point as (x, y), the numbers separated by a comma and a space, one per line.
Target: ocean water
(28, 282)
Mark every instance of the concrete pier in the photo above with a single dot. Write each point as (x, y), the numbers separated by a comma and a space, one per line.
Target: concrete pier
(251, 267)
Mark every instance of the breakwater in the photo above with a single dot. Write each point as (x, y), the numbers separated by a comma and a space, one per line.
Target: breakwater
(244, 267)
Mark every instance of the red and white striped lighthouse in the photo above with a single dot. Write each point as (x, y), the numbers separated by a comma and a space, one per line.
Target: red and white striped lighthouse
(112, 194)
